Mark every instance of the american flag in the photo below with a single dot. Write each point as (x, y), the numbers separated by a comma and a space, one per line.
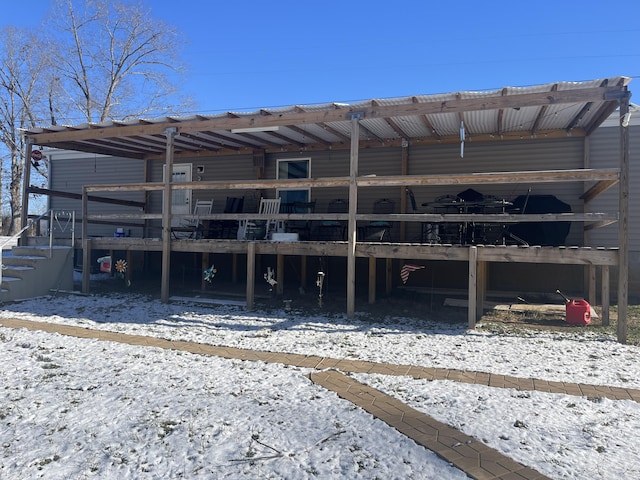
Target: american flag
(407, 268)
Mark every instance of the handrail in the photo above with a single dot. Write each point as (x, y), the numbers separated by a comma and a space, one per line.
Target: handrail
(28, 225)
(51, 215)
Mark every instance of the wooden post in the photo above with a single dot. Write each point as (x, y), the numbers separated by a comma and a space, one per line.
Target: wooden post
(280, 274)
(606, 294)
(26, 180)
(473, 292)
(303, 272)
(204, 266)
(404, 169)
(86, 264)
(166, 217)
(234, 267)
(353, 207)
(251, 274)
(482, 288)
(372, 279)
(129, 265)
(623, 224)
(591, 276)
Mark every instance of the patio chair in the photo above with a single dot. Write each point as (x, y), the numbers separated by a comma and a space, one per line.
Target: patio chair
(334, 229)
(301, 227)
(227, 228)
(191, 227)
(378, 230)
(428, 231)
(262, 229)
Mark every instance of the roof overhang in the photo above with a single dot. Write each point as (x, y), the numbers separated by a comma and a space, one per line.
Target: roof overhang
(512, 113)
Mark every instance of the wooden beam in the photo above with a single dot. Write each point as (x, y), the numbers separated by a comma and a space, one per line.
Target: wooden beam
(597, 189)
(86, 264)
(166, 218)
(427, 123)
(473, 286)
(78, 196)
(26, 180)
(280, 274)
(623, 225)
(251, 274)
(351, 224)
(372, 280)
(340, 113)
(606, 294)
(526, 177)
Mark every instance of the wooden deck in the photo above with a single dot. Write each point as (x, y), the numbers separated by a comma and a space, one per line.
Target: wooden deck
(478, 258)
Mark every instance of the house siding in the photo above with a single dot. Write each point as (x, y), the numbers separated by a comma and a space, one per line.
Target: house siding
(605, 153)
(69, 171)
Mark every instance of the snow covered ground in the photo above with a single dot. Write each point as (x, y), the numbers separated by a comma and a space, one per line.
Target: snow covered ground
(73, 408)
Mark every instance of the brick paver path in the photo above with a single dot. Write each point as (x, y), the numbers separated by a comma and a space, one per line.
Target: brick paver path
(476, 459)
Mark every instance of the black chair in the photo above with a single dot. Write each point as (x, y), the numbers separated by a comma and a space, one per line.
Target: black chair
(227, 228)
(448, 233)
(334, 229)
(378, 230)
(428, 231)
(301, 227)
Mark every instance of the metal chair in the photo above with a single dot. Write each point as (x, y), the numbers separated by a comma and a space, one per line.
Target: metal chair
(334, 229)
(191, 227)
(428, 231)
(227, 228)
(301, 227)
(377, 230)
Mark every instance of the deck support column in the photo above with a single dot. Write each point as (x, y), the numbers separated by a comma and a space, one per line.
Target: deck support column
(86, 264)
(623, 222)
(280, 274)
(606, 294)
(482, 288)
(26, 181)
(166, 216)
(372, 279)
(473, 286)
(251, 274)
(353, 207)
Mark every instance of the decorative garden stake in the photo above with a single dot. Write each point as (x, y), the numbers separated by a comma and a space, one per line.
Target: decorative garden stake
(209, 273)
(287, 305)
(319, 283)
(121, 269)
(269, 277)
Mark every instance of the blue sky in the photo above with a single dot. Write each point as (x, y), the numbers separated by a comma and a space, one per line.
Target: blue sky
(245, 55)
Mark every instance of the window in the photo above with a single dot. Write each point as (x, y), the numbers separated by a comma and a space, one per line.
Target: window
(295, 168)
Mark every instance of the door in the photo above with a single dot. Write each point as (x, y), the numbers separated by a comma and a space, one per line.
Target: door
(180, 199)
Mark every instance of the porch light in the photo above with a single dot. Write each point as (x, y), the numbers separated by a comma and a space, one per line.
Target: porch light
(254, 129)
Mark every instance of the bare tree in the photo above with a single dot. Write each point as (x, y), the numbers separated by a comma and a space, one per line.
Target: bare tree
(21, 69)
(113, 60)
(96, 60)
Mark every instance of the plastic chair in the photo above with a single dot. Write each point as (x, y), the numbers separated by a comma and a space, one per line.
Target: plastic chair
(251, 229)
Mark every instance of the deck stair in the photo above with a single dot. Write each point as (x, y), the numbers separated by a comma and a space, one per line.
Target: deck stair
(33, 271)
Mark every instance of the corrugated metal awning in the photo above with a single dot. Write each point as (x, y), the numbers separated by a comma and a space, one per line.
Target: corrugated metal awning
(511, 113)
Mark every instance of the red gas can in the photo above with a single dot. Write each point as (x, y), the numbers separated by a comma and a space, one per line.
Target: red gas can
(578, 312)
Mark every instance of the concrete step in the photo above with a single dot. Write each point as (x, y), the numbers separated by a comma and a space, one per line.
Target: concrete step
(21, 261)
(16, 271)
(32, 271)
